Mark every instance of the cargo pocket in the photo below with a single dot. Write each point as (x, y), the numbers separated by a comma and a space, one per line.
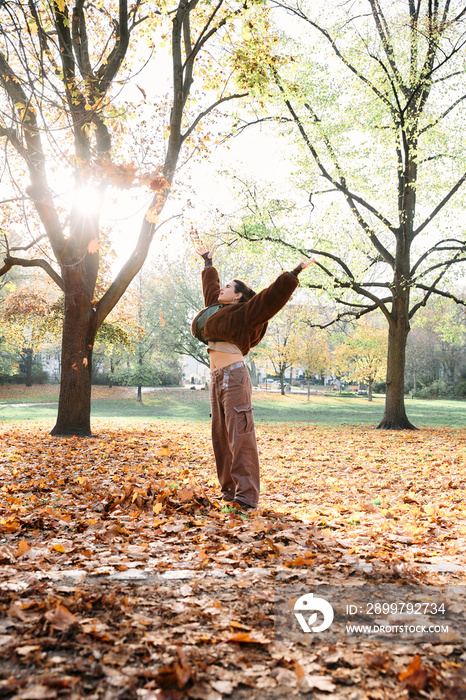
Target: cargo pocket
(244, 419)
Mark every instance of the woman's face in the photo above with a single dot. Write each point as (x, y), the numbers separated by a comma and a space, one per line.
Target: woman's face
(227, 294)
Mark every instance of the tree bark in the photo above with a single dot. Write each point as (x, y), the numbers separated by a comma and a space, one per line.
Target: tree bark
(395, 417)
(79, 331)
(28, 365)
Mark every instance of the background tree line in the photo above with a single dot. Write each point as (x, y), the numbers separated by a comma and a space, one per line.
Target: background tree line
(147, 347)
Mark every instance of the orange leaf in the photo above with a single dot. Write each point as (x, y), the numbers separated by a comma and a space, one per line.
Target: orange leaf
(416, 677)
(249, 638)
(152, 216)
(159, 184)
(93, 246)
(186, 494)
(23, 548)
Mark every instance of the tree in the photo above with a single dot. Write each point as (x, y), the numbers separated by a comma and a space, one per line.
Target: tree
(378, 109)
(313, 354)
(61, 66)
(24, 313)
(152, 361)
(363, 355)
(280, 347)
(436, 354)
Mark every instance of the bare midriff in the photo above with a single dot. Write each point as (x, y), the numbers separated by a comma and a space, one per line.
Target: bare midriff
(223, 359)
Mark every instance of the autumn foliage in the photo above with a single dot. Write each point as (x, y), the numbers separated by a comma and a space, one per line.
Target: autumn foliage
(120, 570)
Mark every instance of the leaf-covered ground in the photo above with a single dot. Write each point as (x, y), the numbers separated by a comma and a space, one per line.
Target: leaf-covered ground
(122, 577)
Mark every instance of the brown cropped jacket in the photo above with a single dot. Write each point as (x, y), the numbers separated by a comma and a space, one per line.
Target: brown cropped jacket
(244, 323)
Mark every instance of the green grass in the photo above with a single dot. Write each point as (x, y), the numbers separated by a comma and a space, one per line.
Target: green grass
(183, 405)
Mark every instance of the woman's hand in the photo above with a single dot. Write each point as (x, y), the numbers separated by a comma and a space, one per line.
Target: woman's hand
(302, 266)
(306, 263)
(205, 252)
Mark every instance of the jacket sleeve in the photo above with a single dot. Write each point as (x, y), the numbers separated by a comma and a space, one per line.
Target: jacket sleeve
(210, 285)
(264, 305)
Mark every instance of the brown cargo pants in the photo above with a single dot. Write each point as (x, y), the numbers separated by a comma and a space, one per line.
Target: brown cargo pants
(233, 434)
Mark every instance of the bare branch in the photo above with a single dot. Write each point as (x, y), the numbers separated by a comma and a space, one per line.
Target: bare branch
(350, 196)
(444, 114)
(299, 13)
(207, 111)
(345, 315)
(438, 292)
(440, 206)
(30, 245)
(9, 262)
(439, 246)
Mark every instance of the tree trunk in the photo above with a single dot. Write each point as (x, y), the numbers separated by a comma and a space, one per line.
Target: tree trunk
(79, 330)
(369, 389)
(28, 366)
(139, 393)
(395, 417)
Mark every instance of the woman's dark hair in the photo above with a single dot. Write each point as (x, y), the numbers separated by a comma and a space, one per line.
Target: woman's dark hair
(246, 292)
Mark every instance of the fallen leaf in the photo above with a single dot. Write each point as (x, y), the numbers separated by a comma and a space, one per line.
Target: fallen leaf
(23, 548)
(60, 618)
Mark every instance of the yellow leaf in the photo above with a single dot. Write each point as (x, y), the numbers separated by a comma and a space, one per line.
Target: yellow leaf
(156, 508)
(58, 548)
(93, 246)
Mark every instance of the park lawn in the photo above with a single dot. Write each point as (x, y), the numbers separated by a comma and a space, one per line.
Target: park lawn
(179, 404)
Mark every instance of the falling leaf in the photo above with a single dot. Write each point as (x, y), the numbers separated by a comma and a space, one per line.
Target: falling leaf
(162, 320)
(141, 90)
(159, 184)
(152, 216)
(93, 246)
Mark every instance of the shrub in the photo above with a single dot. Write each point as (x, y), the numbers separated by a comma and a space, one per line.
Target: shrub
(435, 389)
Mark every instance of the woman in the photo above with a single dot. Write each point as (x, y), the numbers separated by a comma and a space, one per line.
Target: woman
(235, 321)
